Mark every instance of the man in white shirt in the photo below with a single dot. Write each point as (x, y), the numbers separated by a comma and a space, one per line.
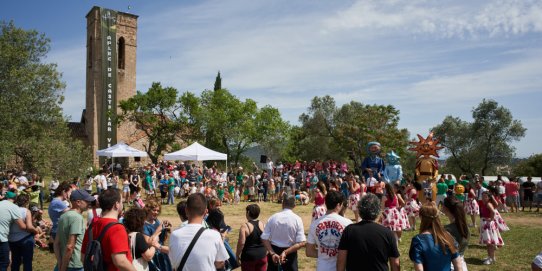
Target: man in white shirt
(208, 252)
(101, 182)
(269, 166)
(283, 236)
(325, 233)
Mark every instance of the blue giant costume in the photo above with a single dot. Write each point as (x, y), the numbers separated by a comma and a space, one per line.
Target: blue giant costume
(373, 161)
(393, 171)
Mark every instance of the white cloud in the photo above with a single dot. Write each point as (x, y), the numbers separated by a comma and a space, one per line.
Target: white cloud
(446, 19)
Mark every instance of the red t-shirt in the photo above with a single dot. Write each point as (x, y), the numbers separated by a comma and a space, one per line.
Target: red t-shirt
(114, 241)
(511, 188)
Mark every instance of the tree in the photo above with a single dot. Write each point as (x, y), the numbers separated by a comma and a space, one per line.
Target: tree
(531, 166)
(347, 130)
(160, 115)
(33, 132)
(481, 145)
(218, 82)
(272, 131)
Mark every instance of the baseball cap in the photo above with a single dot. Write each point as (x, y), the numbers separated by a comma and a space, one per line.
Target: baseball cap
(10, 195)
(81, 195)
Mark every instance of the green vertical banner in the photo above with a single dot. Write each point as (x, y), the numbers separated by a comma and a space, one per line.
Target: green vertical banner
(108, 120)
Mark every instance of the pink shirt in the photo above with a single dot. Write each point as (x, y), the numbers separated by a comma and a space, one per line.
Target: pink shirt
(511, 188)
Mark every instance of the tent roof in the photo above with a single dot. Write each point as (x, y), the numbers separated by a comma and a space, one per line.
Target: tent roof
(121, 150)
(195, 152)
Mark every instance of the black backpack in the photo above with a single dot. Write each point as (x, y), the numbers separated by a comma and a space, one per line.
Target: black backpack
(94, 257)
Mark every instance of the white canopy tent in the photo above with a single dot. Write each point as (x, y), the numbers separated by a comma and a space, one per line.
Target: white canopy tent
(120, 149)
(196, 152)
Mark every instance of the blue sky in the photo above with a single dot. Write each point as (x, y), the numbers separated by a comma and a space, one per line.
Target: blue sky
(429, 59)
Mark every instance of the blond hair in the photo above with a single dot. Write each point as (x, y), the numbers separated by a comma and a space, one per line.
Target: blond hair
(431, 223)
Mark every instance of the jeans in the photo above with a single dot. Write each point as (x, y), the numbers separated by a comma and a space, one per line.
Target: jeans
(41, 198)
(170, 196)
(4, 256)
(22, 252)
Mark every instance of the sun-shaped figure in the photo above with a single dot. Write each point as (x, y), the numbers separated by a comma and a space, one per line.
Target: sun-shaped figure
(426, 166)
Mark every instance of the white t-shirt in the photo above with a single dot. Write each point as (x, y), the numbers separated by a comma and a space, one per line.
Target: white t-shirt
(326, 233)
(372, 182)
(208, 249)
(104, 181)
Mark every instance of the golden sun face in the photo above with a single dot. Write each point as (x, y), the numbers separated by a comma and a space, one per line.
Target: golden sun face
(426, 146)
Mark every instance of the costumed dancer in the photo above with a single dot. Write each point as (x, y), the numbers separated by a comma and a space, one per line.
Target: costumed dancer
(373, 161)
(402, 204)
(412, 208)
(391, 217)
(426, 166)
(501, 225)
(319, 209)
(355, 195)
(489, 231)
(393, 172)
(471, 205)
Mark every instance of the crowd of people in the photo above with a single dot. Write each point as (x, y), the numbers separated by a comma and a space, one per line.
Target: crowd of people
(123, 207)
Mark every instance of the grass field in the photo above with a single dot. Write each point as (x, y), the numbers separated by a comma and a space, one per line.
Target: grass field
(522, 242)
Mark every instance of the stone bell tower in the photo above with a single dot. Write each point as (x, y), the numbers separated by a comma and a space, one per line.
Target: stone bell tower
(110, 76)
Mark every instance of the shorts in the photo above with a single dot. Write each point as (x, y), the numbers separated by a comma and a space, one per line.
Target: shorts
(527, 197)
(251, 190)
(440, 199)
(512, 199)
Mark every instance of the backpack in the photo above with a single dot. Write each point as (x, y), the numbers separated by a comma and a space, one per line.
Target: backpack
(94, 257)
(139, 263)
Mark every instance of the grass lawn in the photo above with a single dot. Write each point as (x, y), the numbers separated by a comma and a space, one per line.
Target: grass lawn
(522, 242)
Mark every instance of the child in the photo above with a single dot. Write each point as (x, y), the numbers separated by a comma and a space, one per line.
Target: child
(41, 225)
(271, 190)
(231, 191)
(237, 197)
(260, 192)
(220, 192)
(163, 189)
(412, 208)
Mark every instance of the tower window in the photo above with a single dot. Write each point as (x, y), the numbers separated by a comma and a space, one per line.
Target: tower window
(121, 53)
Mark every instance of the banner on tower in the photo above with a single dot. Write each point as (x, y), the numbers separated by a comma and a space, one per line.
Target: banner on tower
(108, 127)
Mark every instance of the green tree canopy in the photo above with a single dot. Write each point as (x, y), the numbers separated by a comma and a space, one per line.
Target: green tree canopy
(33, 132)
(531, 166)
(336, 131)
(481, 145)
(161, 116)
(232, 126)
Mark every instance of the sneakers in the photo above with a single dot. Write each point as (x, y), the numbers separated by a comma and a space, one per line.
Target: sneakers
(488, 261)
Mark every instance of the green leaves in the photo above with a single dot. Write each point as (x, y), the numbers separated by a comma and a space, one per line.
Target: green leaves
(33, 132)
(336, 131)
(158, 114)
(481, 145)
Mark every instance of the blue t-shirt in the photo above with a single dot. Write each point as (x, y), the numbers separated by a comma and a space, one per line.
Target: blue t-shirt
(55, 210)
(149, 229)
(424, 250)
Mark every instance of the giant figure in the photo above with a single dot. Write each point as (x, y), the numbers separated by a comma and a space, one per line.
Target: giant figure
(426, 166)
(373, 161)
(393, 173)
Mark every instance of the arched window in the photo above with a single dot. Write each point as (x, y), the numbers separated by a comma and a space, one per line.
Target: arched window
(121, 54)
(89, 52)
